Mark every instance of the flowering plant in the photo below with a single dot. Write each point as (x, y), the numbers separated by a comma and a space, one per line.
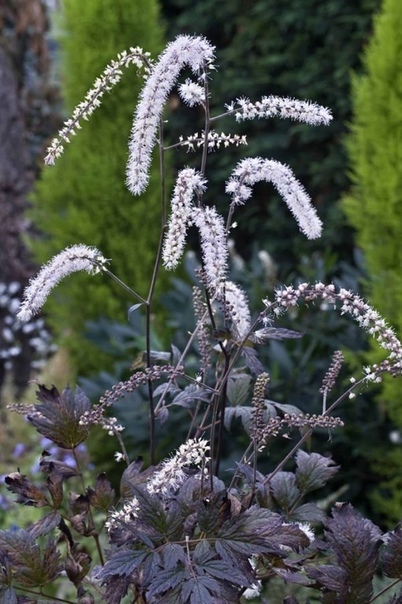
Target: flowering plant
(176, 531)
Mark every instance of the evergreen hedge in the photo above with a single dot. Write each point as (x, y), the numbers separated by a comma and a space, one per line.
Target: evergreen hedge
(374, 206)
(83, 198)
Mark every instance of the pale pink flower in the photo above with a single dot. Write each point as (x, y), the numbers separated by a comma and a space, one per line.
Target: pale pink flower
(276, 106)
(171, 475)
(213, 244)
(191, 93)
(252, 170)
(104, 83)
(196, 52)
(237, 308)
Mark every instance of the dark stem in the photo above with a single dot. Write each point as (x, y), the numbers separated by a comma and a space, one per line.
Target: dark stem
(221, 410)
(151, 292)
(95, 536)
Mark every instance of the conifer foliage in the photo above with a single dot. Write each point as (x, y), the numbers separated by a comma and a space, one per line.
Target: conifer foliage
(84, 198)
(374, 206)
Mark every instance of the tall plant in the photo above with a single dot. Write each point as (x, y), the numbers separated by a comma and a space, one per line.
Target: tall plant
(84, 197)
(178, 533)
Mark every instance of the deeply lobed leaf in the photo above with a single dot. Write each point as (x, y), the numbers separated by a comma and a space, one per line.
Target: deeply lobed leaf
(58, 415)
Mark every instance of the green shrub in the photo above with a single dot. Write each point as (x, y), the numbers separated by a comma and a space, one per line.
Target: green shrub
(374, 206)
(84, 198)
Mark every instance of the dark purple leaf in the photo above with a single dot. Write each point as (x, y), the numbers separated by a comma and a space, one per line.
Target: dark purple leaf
(116, 589)
(313, 471)
(252, 360)
(166, 581)
(308, 512)
(132, 475)
(191, 393)
(27, 492)
(333, 578)
(172, 554)
(57, 416)
(391, 556)
(8, 596)
(355, 542)
(122, 563)
(45, 525)
(238, 389)
(285, 490)
(103, 496)
(291, 577)
(77, 565)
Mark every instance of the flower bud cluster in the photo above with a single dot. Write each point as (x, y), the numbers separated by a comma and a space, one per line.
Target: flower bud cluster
(138, 379)
(333, 371)
(350, 304)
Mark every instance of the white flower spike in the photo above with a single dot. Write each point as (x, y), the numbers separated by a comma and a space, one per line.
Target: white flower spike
(71, 260)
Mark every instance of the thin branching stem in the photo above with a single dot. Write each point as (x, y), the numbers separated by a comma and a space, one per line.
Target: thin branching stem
(152, 414)
(95, 532)
(123, 285)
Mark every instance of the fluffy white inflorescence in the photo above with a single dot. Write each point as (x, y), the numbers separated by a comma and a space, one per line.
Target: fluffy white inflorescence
(71, 260)
(191, 93)
(188, 182)
(171, 475)
(213, 244)
(169, 478)
(185, 50)
(276, 106)
(252, 170)
(237, 308)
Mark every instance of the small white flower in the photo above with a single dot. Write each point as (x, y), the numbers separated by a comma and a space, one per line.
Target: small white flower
(191, 93)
